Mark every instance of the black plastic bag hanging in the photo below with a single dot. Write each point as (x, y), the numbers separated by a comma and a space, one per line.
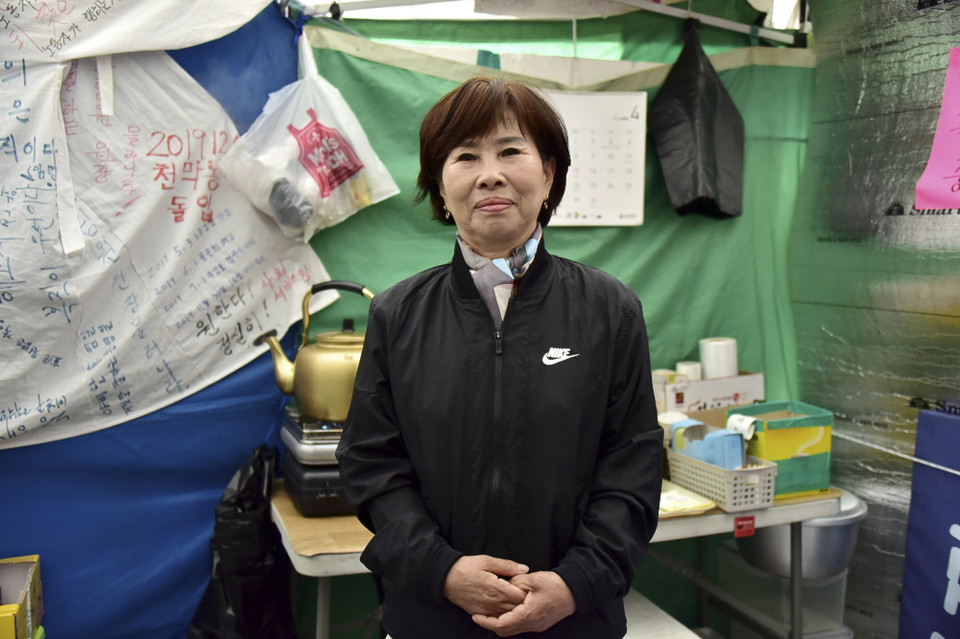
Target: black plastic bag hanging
(698, 133)
(248, 596)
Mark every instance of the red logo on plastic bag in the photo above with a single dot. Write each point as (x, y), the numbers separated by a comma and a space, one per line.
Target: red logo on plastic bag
(325, 154)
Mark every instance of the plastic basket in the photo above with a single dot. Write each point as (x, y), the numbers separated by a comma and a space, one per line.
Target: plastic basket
(746, 488)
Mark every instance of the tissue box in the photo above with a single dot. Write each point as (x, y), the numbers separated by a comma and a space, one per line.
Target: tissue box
(716, 446)
(797, 436)
(21, 597)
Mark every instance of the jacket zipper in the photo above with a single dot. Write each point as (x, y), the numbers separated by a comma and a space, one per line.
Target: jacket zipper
(497, 406)
(496, 470)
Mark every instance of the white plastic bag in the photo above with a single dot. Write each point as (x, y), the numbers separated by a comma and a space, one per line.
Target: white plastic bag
(306, 161)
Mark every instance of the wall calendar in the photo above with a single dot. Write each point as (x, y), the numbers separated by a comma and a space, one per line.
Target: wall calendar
(607, 135)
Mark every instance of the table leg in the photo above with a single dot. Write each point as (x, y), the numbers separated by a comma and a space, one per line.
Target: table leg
(323, 608)
(702, 565)
(796, 580)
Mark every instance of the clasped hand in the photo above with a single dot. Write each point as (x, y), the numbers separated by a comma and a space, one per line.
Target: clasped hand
(504, 597)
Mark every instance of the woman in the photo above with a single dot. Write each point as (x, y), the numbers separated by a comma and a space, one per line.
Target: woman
(502, 442)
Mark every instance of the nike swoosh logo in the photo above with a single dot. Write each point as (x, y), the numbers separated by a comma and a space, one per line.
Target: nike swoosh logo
(550, 361)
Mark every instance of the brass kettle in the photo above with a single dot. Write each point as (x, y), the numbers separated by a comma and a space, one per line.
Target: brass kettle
(322, 374)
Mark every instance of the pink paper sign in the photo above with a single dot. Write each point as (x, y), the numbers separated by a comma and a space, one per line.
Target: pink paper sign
(939, 186)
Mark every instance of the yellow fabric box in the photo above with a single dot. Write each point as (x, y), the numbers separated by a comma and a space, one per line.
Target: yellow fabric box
(797, 437)
(21, 597)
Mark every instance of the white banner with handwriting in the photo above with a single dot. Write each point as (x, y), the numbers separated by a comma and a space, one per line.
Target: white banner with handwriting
(131, 273)
(58, 30)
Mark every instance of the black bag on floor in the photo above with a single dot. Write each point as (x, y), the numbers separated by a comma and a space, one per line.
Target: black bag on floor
(248, 596)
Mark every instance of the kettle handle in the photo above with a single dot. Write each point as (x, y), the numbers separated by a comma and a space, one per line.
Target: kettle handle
(322, 286)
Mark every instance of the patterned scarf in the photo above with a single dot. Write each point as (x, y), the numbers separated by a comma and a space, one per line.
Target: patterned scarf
(496, 279)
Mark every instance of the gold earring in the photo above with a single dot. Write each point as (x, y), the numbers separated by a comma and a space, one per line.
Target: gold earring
(545, 205)
(446, 212)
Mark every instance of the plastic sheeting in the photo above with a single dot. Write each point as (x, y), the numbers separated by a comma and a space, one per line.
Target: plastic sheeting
(306, 162)
(873, 281)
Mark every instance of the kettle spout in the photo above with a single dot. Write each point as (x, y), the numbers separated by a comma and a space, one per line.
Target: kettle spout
(282, 366)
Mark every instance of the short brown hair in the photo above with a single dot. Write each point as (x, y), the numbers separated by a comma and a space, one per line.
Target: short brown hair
(474, 109)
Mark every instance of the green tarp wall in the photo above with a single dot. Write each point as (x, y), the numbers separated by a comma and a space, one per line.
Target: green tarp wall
(696, 276)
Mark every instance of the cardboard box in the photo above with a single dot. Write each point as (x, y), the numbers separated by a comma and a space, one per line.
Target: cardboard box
(795, 435)
(662, 377)
(685, 396)
(716, 417)
(21, 597)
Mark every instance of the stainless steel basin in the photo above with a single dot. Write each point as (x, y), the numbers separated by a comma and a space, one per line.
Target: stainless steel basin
(828, 542)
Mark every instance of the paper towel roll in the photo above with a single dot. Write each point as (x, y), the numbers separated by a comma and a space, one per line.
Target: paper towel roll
(690, 369)
(718, 357)
(743, 424)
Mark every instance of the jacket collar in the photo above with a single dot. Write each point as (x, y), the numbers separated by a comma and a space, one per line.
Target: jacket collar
(534, 280)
